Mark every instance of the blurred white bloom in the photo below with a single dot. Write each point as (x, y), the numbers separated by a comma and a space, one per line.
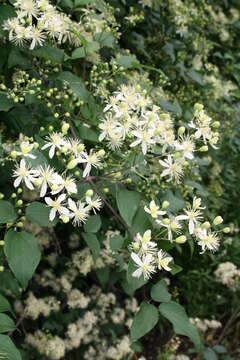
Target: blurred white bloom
(24, 173)
(94, 203)
(163, 260)
(47, 176)
(79, 212)
(145, 266)
(90, 159)
(67, 183)
(56, 206)
(56, 141)
(208, 240)
(173, 169)
(153, 210)
(193, 214)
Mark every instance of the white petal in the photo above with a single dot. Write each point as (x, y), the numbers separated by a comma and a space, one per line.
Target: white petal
(49, 201)
(52, 151)
(28, 183)
(17, 181)
(137, 273)
(52, 214)
(136, 259)
(43, 189)
(61, 198)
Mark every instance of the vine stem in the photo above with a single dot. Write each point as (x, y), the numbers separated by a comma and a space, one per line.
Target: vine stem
(228, 324)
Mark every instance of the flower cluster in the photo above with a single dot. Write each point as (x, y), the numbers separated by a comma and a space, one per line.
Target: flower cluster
(228, 274)
(145, 252)
(132, 118)
(61, 186)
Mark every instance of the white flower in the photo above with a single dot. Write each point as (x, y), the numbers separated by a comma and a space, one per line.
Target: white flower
(47, 176)
(145, 266)
(26, 148)
(145, 245)
(174, 169)
(144, 137)
(79, 212)
(37, 36)
(94, 203)
(163, 260)
(57, 206)
(91, 160)
(55, 141)
(208, 240)
(193, 214)
(24, 173)
(173, 225)
(67, 183)
(153, 210)
(187, 146)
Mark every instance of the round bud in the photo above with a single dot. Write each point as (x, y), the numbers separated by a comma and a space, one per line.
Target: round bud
(14, 195)
(19, 190)
(101, 152)
(36, 145)
(216, 124)
(42, 128)
(166, 221)
(65, 128)
(135, 246)
(206, 225)
(128, 181)
(1, 196)
(20, 224)
(65, 219)
(181, 239)
(77, 173)
(203, 148)
(89, 192)
(19, 203)
(2, 242)
(50, 128)
(218, 220)
(165, 204)
(13, 154)
(56, 115)
(106, 190)
(72, 164)
(226, 230)
(1, 268)
(181, 130)
(67, 114)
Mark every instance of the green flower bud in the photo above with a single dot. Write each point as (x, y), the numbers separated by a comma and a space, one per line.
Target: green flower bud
(14, 195)
(181, 239)
(203, 148)
(19, 190)
(20, 224)
(19, 203)
(13, 154)
(2, 242)
(1, 196)
(1, 268)
(101, 152)
(89, 192)
(216, 124)
(206, 225)
(226, 230)
(165, 204)
(166, 221)
(106, 190)
(218, 220)
(181, 130)
(72, 164)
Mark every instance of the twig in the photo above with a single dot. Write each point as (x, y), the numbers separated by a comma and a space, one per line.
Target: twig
(228, 324)
(20, 320)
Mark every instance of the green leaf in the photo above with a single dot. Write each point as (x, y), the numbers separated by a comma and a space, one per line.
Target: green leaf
(127, 61)
(175, 269)
(49, 53)
(8, 350)
(78, 53)
(144, 320)
(38, 213)
(134, 282)
(176, 314)
(6, 12)
(105, 39)
(116, 242)
(7, 212)
(82, 2)
(4, 304)
(195, 76)
(209, 354)
(93, 244)
(23, 255)
(159, 292)
(92, 47)
(17, 57)
(141, 221)
(76, 84)
(6, 324)
(5, 103)
(93, 224)
(128, 203)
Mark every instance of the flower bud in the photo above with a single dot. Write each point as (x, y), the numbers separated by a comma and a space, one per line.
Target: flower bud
(1, 196)
(166, 221)
(19, 190)
(206, 225)
(50, 128)
(1, 268)
(65, 219)
(20, 224)
(101, 152)
(181, 239)
(226, 230)
(89, 192)
(218, 220)
(106, 190)
(77, 173)
(19, 203)
(72, 164)
(203, 148)
(13, 154)
(65, 128)
(2, 242)
(36, 145)
(216, 124)
(165, 204)
(181, 130)
(67, 114)
(14, 195)
(56, 115)
(81, 147)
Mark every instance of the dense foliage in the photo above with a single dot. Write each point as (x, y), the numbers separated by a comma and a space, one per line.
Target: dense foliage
(119, 155)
